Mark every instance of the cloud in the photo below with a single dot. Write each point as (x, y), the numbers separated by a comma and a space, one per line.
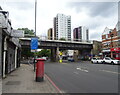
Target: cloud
(21, 5)
(104, 9)
(94, 15)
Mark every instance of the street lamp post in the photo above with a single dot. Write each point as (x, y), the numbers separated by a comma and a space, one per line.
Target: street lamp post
(35, 15)
(35, 31)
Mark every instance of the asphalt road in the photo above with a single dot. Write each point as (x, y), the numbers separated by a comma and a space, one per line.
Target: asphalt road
(83, 77)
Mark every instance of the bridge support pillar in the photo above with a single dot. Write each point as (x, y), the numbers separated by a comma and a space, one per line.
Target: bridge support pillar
(55, 54)
(75, 56)
(84, 54)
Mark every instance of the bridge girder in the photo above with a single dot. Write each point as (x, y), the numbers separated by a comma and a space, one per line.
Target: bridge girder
(61, 45)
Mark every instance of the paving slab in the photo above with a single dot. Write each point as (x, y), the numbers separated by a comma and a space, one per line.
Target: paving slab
(22, 80)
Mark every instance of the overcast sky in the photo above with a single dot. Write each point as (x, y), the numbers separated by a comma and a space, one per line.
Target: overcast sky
(94, 15)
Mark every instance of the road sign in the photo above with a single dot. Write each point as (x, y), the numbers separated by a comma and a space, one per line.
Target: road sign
(60, 53)
(34, 43)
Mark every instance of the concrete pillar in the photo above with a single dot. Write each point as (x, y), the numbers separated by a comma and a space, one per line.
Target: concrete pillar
(53, 55)
(75, 56)
(57, 54)
(80, 54)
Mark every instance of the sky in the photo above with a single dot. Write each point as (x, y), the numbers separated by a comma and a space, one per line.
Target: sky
(94, 14)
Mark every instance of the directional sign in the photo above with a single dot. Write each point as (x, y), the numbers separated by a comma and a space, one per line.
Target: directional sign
(34, 43)
(60, 53)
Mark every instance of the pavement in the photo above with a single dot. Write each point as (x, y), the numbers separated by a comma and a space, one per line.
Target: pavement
(22, 80)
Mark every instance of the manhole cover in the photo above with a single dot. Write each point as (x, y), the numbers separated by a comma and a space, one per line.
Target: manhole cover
(13, 83)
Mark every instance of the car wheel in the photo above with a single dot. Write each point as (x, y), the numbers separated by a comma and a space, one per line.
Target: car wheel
(97, 62)
(103, 62)
(112, 63)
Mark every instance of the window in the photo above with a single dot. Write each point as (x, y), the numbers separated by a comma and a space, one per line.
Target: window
(107, 36)
(107, 58)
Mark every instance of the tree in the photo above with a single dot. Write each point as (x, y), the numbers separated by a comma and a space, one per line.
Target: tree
(44, 52)
(26, 52)
(27, 31)
(63, 39)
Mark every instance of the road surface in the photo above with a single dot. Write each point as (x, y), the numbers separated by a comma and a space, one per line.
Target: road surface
(83, 77)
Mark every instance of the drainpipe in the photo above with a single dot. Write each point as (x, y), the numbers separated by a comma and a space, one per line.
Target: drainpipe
(16, 57)
(4, 55)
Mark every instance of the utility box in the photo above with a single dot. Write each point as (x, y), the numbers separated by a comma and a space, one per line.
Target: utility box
(40, 70)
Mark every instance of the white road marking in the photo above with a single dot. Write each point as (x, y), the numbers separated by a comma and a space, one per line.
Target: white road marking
(77, 68)
(76, 72)
(109, 71)
(82, 69)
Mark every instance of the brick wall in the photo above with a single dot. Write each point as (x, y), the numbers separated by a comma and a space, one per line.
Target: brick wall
(110, 42)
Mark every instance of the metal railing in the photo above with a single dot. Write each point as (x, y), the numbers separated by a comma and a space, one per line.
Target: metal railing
(45, 38)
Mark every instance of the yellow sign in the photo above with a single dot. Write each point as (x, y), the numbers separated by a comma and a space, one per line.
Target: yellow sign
(60, 53)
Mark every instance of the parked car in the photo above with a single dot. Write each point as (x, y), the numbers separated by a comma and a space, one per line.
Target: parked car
(96, 60)
(70, 58)
(111, 60)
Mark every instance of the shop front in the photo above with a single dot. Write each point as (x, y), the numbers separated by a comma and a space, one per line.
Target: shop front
(106, 53)
(116, 53)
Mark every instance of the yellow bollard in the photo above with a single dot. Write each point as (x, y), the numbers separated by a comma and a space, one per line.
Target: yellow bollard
(60, 61)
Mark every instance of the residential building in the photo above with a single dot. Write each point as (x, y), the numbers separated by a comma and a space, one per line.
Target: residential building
(50, 34)
(111, 42)
(62, 27)
(54, 28)
(81, 33)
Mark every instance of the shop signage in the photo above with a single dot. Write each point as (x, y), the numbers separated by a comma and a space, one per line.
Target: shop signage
(115, 49)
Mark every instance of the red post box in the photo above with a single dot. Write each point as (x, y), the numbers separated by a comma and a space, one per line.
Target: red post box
(40, 70)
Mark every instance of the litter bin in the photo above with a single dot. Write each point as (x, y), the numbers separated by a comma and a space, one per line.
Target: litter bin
(40, 70)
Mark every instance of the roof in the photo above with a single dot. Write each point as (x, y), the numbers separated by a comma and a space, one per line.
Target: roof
(106, 31)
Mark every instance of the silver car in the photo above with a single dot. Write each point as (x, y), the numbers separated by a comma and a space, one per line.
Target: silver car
(96, 60)
(111, 60)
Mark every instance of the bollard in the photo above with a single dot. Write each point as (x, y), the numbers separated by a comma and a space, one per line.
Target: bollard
(40, 70)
